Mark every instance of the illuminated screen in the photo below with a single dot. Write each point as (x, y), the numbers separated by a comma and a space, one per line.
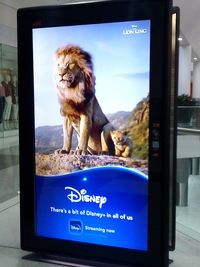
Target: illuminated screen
(91, 95)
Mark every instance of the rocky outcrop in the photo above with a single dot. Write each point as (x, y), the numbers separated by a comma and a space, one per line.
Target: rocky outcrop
(54, 164)
(138, 129)
(140, 113)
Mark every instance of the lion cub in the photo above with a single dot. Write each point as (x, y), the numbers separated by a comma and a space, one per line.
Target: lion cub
(123, 144)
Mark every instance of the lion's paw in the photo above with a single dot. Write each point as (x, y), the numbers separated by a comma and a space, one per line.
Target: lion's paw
(61, 151)
(81, 152)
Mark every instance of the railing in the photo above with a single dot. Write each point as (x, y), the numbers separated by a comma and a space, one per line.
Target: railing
(188, 131)
(189, 116)
(188, 161)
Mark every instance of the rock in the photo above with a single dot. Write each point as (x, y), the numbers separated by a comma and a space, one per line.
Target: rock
(52, 164)
(138, 129)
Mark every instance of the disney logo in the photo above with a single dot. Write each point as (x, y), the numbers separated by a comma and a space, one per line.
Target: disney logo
(76, 196)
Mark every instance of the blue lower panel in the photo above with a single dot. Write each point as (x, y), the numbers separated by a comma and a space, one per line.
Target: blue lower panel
(102, 205)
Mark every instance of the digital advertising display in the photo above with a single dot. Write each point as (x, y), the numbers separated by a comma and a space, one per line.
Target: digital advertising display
(91, 110)
(94, 132)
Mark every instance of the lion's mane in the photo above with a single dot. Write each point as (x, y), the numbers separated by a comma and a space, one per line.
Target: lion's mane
(84, 60)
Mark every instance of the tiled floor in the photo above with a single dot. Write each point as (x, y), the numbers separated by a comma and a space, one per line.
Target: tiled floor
(188, 218)
(9, 170)
(187, 253)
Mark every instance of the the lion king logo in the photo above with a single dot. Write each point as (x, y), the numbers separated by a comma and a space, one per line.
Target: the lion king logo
(134, 30)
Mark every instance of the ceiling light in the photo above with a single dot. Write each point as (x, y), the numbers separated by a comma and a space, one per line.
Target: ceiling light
(195, 58)
(180, 39)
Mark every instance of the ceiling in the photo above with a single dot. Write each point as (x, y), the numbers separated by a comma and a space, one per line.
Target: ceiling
(27, 3)
(189, 21)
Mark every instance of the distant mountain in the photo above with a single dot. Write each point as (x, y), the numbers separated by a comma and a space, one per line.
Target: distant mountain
(49, 138)
(119, 119)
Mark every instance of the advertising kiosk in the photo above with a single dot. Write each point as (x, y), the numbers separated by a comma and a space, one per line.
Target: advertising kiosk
(94, 85)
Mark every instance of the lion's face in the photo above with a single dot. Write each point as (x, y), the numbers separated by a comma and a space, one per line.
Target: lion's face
(67, 70)
(73, 71)
(118, 137)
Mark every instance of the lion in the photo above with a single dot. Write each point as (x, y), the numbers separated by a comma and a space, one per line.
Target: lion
(79, 107)
(123, 144)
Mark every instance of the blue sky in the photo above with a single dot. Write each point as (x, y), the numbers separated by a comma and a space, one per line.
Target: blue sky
(121, 57)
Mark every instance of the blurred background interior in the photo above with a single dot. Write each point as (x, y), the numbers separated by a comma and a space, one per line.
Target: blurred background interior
(188, 134)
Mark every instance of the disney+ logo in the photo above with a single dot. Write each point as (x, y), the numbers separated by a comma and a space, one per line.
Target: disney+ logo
(75, 227)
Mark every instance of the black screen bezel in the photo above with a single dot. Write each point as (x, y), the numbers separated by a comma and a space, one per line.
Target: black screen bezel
(100, 12)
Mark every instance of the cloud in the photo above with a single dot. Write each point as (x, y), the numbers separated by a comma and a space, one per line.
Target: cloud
(104, 47)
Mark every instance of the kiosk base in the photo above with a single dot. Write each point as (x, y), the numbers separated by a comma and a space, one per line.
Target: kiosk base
(70, 262)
